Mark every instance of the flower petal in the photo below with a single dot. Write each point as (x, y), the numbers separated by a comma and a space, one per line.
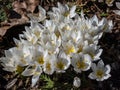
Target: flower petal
(107, 69)
(77, 82)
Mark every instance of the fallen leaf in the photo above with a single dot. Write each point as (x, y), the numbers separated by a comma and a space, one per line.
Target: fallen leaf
(3, 30)
(19, 4)
(32, 4)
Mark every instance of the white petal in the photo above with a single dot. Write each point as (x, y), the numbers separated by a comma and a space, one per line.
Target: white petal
(28, 72)
(107, 76)
(97, 56)
(8, 53)
(93, 66)
(94, 20)
(87, 58)
(118, 5)
(116, 12)
(77, 82)
(100, 64)
(107, 69)
(100, 79)
(34, 80)
(72, 11)
(92, 76)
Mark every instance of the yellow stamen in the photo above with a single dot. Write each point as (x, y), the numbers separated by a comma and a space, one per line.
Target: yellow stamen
(80, 65)
(92, 55)
(37, 33)
(60, 65)
(99, 73)
(48, 66)
(40, 60)
(66, 27)
(66, 14)
(19, 69)
(70, 50)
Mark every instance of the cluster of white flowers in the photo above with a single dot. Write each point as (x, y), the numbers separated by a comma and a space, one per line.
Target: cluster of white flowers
(52, 45)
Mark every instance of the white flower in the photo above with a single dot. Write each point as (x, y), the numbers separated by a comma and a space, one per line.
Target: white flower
(22, 56)
(49, 65)
(93, 50)
(77, 82)
(64, 10)
(81, 62)
(80, 45)
(107, 25)
(32, 38)
(9, 62)
(34, 71)
(100, 72)
(50, 42)
(38, 55)
(69, 48)
(35, 28)
(50, 25)
(62, 62)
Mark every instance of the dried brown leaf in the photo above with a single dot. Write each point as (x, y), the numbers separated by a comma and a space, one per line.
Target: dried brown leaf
(18, 4)
(32, 4)
(3, 30)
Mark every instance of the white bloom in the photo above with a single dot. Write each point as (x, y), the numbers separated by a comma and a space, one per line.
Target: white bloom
(50, 42)
(69, 47)
(77, 82)
(9, 62)
(81, 44)
(100, 72)
(35, 28)
(62, 62)
(93, 50)
(49, 65)
(107, 25)
(81, 62)
(38, 55)
(66, 11)
(62, 12)
(34, 71)
(32, 38)
(50, 25)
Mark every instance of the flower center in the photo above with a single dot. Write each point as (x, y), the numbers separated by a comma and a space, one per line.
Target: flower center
(99, 73)
(70, 50)
(60, 65)
(80, 49)
(19, 69)
(66, 13)
(41, 60)
(80, 65)
(48, 66)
